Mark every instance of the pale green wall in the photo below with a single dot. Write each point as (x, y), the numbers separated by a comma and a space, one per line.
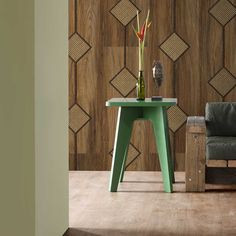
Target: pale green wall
(33, 118)
(51, 121)
(17, 118)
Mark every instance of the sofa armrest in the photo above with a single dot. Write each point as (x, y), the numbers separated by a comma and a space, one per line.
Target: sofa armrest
(196, 124)
(195, 160)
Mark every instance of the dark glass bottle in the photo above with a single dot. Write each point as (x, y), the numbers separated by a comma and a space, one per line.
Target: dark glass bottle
(140, 87)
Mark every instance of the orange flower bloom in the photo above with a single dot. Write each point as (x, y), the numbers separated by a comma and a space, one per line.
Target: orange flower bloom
(141, 35)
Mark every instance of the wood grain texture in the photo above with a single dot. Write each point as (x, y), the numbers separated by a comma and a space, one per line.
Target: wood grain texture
(195, 159)
(211, 53)
(187, 17)
(113, 30)
(72, 157)
(230, 33)
(141, 208)
(231, 163)
(72, 88)
(71, 17)
(216, 163)
(230, 51)
(179, 148)
(114, 47)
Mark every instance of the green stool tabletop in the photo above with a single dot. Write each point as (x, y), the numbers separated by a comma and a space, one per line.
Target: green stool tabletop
(132, 102)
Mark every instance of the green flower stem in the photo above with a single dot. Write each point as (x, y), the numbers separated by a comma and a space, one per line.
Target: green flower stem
(139, 49)
(142, 44)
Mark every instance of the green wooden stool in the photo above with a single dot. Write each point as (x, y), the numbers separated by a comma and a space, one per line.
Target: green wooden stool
(129, 110)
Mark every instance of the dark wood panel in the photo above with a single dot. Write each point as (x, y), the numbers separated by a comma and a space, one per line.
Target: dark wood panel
(180, 148)
(113, 30)
(187, 67)
(231, 96)
(72, 83)
(72, 151)
(230, 49)
(211, 53)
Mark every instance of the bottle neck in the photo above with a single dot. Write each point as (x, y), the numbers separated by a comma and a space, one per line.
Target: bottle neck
(140, 74)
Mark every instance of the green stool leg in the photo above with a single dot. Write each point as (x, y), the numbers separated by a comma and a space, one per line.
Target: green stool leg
(162, 145)
(126, 115)
(156, 115)
(123, 165)
(171, 162)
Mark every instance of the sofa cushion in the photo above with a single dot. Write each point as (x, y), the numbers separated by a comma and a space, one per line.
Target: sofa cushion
(221, 148)
(221, 119)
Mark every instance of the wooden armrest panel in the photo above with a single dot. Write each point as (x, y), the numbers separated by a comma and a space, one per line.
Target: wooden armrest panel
(196, 124)
(195, 154)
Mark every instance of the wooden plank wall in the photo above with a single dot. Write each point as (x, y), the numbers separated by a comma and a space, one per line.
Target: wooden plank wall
(195, 41)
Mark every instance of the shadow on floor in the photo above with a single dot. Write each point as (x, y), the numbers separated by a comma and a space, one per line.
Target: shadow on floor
(108, 232)
(112, 232)
(78, 232)
(150, 182)
(99, 232)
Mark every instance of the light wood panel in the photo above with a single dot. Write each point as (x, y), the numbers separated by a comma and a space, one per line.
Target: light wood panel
(194, 40)
(195, 154)
(72, 17)
(216, 163)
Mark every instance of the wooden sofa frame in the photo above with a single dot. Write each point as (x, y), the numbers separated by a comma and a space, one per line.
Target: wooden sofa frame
(197, 173)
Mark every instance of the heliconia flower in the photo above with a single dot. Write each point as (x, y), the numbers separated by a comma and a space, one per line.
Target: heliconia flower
(140, 34)
(143, 29)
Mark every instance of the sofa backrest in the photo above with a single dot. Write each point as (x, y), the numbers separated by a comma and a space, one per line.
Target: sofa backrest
(221, 118)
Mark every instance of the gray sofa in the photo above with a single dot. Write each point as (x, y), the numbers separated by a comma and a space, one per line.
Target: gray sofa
(221, 131)
(212, 137)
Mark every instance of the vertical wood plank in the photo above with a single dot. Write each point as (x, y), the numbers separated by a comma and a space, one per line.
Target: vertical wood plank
(114, 57)
(187, 67)
(72, 88)
(195, 162)
(230, 54)
(71, 17)
(180, 140)
(89, 91)
(113, 30)
(211, 53)
(72, 153)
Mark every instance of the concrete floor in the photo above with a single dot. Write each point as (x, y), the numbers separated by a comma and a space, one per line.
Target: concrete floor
(141, 208)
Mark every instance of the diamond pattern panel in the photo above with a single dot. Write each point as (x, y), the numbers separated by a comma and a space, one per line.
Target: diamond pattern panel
(174, 47)
(78, 118)
(223, 11)
(78, 47)
(124, 11)
(223, 82)
(124, 82)
(176, 118)
(133, 154)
